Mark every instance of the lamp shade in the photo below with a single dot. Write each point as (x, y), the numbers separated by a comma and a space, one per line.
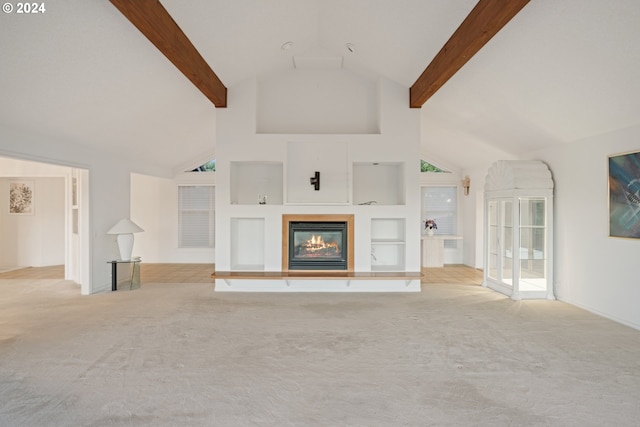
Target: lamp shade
(125, 226)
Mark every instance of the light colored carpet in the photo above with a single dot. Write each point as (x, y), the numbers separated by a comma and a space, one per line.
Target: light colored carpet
(182, 355)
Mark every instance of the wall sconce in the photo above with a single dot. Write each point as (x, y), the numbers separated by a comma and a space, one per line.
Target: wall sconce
(315, 181)
(466, 183)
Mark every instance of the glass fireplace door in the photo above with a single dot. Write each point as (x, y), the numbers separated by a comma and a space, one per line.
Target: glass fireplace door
(318, 246)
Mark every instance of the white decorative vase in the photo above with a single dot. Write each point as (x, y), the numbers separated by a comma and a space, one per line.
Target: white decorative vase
(430, 232)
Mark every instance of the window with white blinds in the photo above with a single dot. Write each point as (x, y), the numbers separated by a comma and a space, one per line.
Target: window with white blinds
(196, 216)
(441, 205)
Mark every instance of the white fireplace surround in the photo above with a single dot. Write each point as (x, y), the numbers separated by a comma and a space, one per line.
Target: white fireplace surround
(372, 177)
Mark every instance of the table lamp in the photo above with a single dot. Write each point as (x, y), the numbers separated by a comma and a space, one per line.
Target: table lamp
(125, 229)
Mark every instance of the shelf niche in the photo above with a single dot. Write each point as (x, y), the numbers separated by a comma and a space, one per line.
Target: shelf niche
(247, 244)
(255, 182)
(388, 244)
(379, 183)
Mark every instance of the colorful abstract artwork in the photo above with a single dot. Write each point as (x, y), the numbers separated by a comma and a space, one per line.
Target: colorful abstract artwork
(624, 195)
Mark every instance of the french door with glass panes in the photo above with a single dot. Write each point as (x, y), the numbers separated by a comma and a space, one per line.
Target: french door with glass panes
(499, 242)
(518, 231)
(522, 223)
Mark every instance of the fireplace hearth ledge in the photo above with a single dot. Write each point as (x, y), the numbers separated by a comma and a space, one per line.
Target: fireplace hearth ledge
(316, 285)
(300, 281)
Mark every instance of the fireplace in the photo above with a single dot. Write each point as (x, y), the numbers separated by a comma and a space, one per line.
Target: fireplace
(317, 242)
(318, 245)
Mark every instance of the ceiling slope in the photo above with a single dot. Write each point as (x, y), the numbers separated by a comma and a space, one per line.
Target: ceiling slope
(484, 21)
(558, 72)
(153, 20)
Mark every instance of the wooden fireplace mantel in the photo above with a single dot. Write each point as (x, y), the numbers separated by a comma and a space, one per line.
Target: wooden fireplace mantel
(287, 218)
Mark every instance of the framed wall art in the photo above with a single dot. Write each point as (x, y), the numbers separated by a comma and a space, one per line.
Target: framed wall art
(21, 197)
(624, 195)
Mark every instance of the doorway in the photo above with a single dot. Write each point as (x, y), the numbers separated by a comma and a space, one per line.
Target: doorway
(49, 233)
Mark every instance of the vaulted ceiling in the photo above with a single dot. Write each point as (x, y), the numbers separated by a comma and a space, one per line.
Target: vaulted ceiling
(558, 72)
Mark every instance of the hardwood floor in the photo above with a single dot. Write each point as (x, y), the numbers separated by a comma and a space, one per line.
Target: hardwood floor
(201, 273)
(49, 272)
(459, 274)
(176, 273)
(150, 273)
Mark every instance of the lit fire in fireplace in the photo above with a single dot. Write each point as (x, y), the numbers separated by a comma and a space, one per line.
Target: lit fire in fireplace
(316, 247)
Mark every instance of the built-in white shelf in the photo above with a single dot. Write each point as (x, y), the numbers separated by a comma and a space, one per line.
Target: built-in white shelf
(375, 183)
(388, 244)
(388, 229)
(378, 183)
(255, 182)
(247, 244)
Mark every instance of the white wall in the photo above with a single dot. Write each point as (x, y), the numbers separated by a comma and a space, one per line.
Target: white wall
(592, 270)
(473, 210)
(330, 102)
(154, 207)
(38, 239)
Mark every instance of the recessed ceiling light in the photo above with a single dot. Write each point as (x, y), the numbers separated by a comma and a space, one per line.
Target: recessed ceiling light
(350, 47)
(286, 46)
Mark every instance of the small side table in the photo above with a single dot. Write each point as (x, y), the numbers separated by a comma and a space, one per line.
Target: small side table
(134, 278)
(433, 249)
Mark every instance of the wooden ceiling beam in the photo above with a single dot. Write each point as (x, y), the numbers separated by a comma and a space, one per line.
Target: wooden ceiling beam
(483, 22)
(153, 20)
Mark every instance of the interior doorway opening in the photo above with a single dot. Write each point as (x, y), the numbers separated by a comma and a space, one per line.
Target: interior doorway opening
(44, 219)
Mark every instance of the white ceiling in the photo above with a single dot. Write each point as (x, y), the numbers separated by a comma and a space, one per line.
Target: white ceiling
(560, 71)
